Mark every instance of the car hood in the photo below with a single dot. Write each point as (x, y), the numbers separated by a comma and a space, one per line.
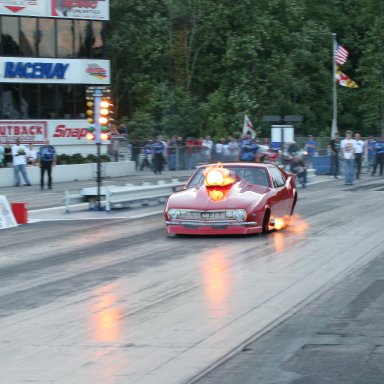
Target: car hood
(240, 195)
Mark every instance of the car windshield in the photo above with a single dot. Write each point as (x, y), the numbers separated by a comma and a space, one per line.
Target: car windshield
(254, 175)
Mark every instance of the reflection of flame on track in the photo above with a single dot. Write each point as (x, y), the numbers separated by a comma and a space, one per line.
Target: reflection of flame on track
(217, 280)
(106, 316)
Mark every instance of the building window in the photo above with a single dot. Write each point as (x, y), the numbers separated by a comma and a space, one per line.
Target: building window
(46, 38)
(83, 38)
(28, 37)
(31, 105)
(55, 38)
(65, 45)
(10, 36)
(98, 39)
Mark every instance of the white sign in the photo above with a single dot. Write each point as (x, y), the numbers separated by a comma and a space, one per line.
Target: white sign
(54, 71)
(283, 133)
(59, 132)
(7, 219)
(36, 8)
(70, 9)
(29, 131)
(80, 9)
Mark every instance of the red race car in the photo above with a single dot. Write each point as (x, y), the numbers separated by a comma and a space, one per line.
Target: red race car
(232, 198)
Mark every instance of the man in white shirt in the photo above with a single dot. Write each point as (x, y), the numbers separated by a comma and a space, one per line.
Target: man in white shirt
(359, 153)
(347, 148)
(219, 150)
(31, 155)
(207, 146)
(19, 153)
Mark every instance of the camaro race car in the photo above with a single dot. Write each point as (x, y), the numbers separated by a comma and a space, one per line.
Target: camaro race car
(232, 198)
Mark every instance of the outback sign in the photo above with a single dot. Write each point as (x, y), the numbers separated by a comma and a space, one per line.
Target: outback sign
(59, 132)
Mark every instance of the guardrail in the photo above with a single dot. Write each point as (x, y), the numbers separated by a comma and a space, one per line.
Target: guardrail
(123, 195)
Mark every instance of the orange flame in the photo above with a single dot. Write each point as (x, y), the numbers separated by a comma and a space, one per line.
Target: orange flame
(298, 225)
(280, 223)
(216, 195)
(218, 176)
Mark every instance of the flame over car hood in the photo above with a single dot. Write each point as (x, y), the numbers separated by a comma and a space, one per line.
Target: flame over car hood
(240, 195)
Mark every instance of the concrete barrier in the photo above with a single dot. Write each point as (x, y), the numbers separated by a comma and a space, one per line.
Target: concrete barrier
(7, 219)
(73, 172)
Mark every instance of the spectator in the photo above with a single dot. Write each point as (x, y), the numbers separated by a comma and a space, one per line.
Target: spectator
(371, 152)
(310, 147)
(2, 156)
(19, 155)
(207, 146)
(171, 153)
(334, 147)
(191, 149)
(347, 147)
(8, 158)
(248, 149)
(31, 155)
(219, 150)
(379, 158)
(135, 153)
(147, 157)
(180, 153)
(47, 160)
(232, 149)
(297, 167)
(158, 155)
(359, 154)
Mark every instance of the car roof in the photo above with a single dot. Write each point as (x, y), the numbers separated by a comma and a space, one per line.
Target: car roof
(242, 164)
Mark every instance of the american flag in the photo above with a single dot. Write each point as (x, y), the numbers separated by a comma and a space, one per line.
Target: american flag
(341, 54)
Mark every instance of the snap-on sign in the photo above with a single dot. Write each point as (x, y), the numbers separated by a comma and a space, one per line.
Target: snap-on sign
(64, 131)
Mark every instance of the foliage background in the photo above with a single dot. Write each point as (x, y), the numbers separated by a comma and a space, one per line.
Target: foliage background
(195, 67)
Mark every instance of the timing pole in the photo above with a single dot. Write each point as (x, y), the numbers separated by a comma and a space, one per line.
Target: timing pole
(334, 119)
(97, 98)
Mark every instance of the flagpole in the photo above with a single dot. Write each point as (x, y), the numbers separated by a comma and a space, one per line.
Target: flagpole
(334, 119)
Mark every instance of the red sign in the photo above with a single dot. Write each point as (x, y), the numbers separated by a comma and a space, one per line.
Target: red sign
(27, 131)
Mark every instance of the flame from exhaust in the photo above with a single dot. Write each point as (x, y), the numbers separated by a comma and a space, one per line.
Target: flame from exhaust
(218, 176)
(216, 195)
(298, 224)
(281, 222)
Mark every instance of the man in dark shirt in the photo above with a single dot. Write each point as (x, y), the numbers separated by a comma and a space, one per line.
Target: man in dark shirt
(334, 147)
(47, 159)
(379, 158)
(298, 168)
(158, 155)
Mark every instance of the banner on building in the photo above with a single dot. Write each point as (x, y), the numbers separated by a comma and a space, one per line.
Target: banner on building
(70, 9)
(59, 132)
(80, 9)
(54, 71)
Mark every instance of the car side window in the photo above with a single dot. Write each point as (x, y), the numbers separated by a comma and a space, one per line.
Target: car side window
(277, 178)
(197, 179)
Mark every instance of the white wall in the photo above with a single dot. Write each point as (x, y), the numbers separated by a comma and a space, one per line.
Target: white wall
(62, 173)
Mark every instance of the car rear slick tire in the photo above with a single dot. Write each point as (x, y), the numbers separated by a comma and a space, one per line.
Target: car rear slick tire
(267, 216)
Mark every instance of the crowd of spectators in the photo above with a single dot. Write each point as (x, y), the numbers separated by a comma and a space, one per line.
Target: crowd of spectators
(180, 153)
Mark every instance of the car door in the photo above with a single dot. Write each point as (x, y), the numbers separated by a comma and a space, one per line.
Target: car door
(281, 197)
